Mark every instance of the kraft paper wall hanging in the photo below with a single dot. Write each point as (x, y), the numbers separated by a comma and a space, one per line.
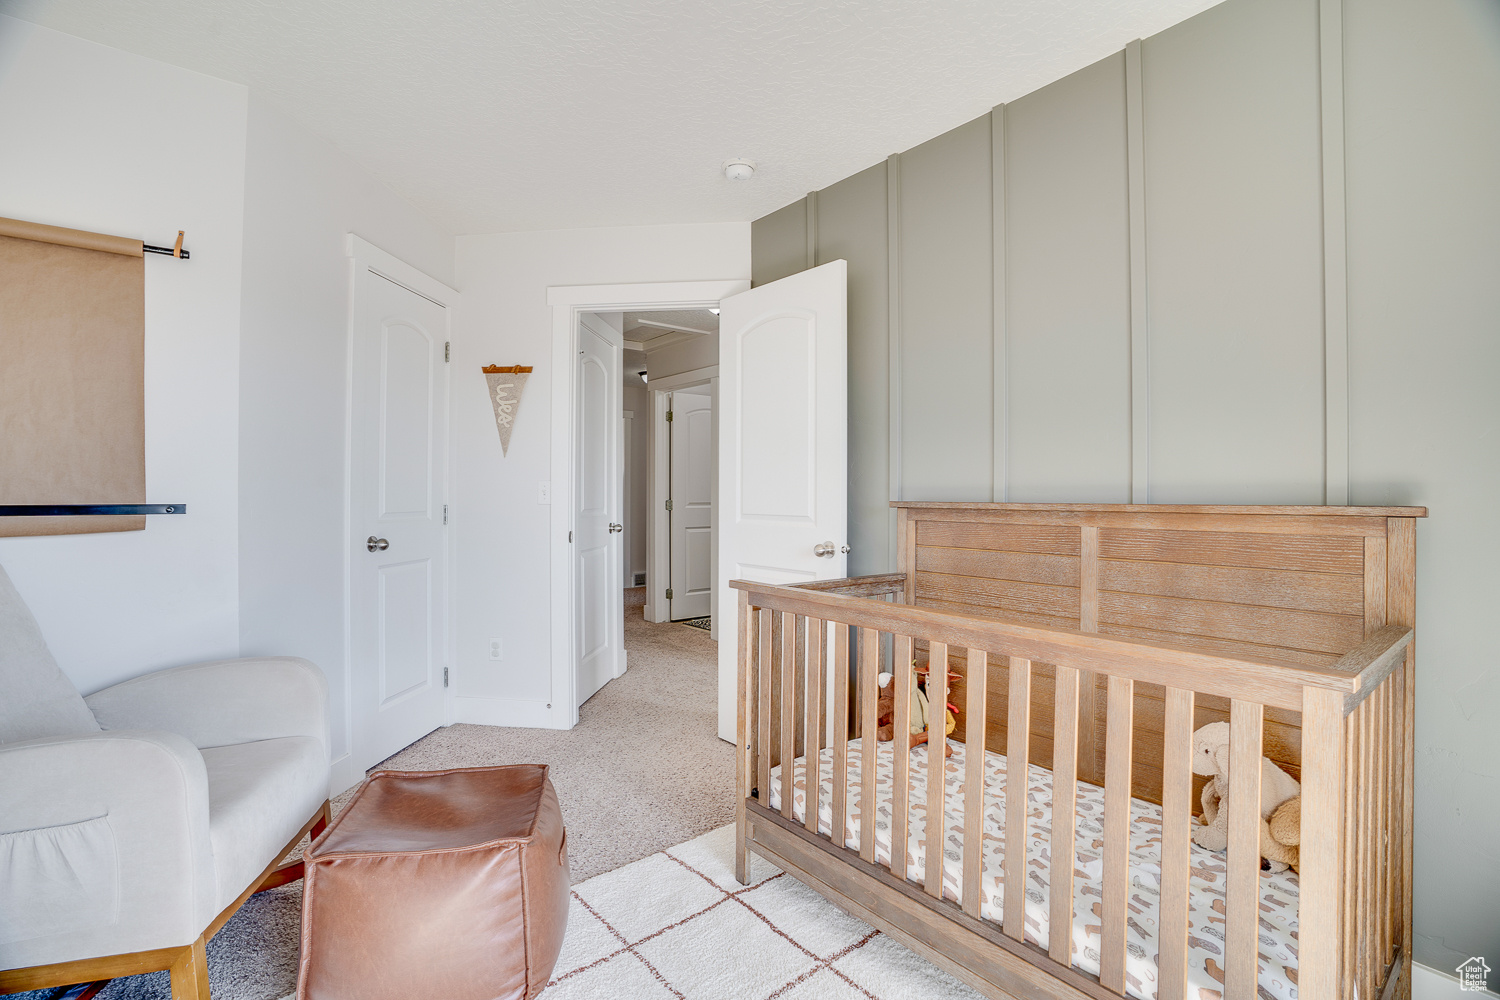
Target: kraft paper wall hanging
(506, 385)
(72, 382)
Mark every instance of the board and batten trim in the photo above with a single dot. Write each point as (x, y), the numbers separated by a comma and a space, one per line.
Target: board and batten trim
(1140, 344)
(1000, 344)
(1335, 255)
(810, 227)
(893, 324)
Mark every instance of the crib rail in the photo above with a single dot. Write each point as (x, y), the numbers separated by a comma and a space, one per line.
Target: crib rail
(809, 660)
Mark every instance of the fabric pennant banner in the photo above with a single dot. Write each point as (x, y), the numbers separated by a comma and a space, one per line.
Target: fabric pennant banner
(506, 386)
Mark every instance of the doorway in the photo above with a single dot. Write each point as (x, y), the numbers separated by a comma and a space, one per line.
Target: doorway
(588, 468)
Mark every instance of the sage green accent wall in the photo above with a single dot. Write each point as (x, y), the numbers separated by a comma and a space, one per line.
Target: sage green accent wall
(1423, 182)
(1067, 290)
(1234, 255)
(946, 336)
(851, 226)
(1006, 370)
(778, 244)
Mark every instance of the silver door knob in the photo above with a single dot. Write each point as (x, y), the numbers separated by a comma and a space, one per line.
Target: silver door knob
(615, 529)
(376, 544)
(825, 549)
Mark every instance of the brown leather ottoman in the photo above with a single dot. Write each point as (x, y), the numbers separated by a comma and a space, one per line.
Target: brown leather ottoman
(450, 885)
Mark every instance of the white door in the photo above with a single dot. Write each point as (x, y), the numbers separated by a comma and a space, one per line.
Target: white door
(783, 429)
(398, 560)
(597, 516)
(691, 517)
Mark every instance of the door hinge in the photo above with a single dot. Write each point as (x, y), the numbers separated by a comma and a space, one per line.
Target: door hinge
(445, 513)
(669, 593)
(669, 505)
(447, 347)
(669, 416)
(445, 677)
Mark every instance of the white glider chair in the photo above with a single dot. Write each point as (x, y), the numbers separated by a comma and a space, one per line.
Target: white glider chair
(134, 822)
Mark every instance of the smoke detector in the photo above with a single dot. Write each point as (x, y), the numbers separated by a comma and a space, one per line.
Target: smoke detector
(739, 170)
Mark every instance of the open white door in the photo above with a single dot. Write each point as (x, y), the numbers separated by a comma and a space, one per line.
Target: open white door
(783, 443)
(597, 517)
(690, 429)
(397, 572)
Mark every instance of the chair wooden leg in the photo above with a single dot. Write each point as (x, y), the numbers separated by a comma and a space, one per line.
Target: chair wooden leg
(190, 973)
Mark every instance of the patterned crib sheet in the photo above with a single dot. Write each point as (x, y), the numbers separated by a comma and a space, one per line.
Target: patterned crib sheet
(1207, 879)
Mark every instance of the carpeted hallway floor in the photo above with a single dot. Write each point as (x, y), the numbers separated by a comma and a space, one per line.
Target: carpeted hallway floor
(643, 770)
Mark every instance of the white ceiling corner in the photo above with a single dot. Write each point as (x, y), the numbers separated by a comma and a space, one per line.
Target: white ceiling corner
(579, 113)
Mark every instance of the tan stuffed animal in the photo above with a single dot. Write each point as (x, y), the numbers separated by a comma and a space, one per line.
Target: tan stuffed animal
(1285, 827)
(1211, 758)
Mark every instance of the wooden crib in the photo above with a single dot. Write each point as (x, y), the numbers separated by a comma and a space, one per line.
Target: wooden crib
(1093, 640)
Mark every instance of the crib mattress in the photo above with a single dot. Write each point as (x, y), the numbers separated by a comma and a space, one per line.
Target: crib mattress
(1207, 879)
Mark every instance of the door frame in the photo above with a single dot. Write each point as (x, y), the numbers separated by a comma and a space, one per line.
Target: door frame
(659, 487)
(569, 303)
(346, 770)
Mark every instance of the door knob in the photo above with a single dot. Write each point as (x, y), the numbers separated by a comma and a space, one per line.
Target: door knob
(825, 549)
(376, 544)
(616, 528)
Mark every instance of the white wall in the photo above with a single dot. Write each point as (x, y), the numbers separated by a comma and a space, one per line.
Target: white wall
(502, 569)
(97, 139)
(301, 197)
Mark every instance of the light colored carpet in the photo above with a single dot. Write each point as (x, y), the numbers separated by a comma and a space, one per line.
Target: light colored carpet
(677, 925)
(644, 769)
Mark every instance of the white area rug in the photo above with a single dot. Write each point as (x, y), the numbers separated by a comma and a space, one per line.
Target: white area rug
(677, 925)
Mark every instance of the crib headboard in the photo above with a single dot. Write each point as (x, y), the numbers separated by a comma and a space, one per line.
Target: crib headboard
(1301, 584)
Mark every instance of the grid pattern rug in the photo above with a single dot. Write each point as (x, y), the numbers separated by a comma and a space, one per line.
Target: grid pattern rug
(677, 925)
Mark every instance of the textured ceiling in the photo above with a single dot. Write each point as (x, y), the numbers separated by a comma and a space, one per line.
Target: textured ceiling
(649, 325)
(494, 117)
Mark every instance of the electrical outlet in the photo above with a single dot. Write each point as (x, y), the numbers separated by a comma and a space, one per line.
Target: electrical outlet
(497, 649)
(544, 492)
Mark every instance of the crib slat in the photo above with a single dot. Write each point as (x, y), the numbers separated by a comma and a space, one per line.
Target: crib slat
(745, 765)
(764, 675)
(1242, 895)
(1017, 780)
(869, 668)
(1350, 855)
(977, 683)
(812, 727)
(1176, 840)
(1121, 727)
(937, 769)
(1367, 848)
(1064, 814)
(1320, 958)
(901, 757)
(839, 664)
(1382, 841)
(787, 668)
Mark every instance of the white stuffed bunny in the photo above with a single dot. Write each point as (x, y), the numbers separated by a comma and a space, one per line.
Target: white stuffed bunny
(1211, 758)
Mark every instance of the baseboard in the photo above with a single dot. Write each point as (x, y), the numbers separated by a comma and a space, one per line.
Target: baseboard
(343, 775)
(1434, 984)
(504, 712)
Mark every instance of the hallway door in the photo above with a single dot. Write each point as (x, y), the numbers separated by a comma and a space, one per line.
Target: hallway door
(690, 429)
(598, 521)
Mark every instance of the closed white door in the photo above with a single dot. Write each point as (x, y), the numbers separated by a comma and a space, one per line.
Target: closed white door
(398, 556)
(598, 522)
(690, 430)
(783, 443)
